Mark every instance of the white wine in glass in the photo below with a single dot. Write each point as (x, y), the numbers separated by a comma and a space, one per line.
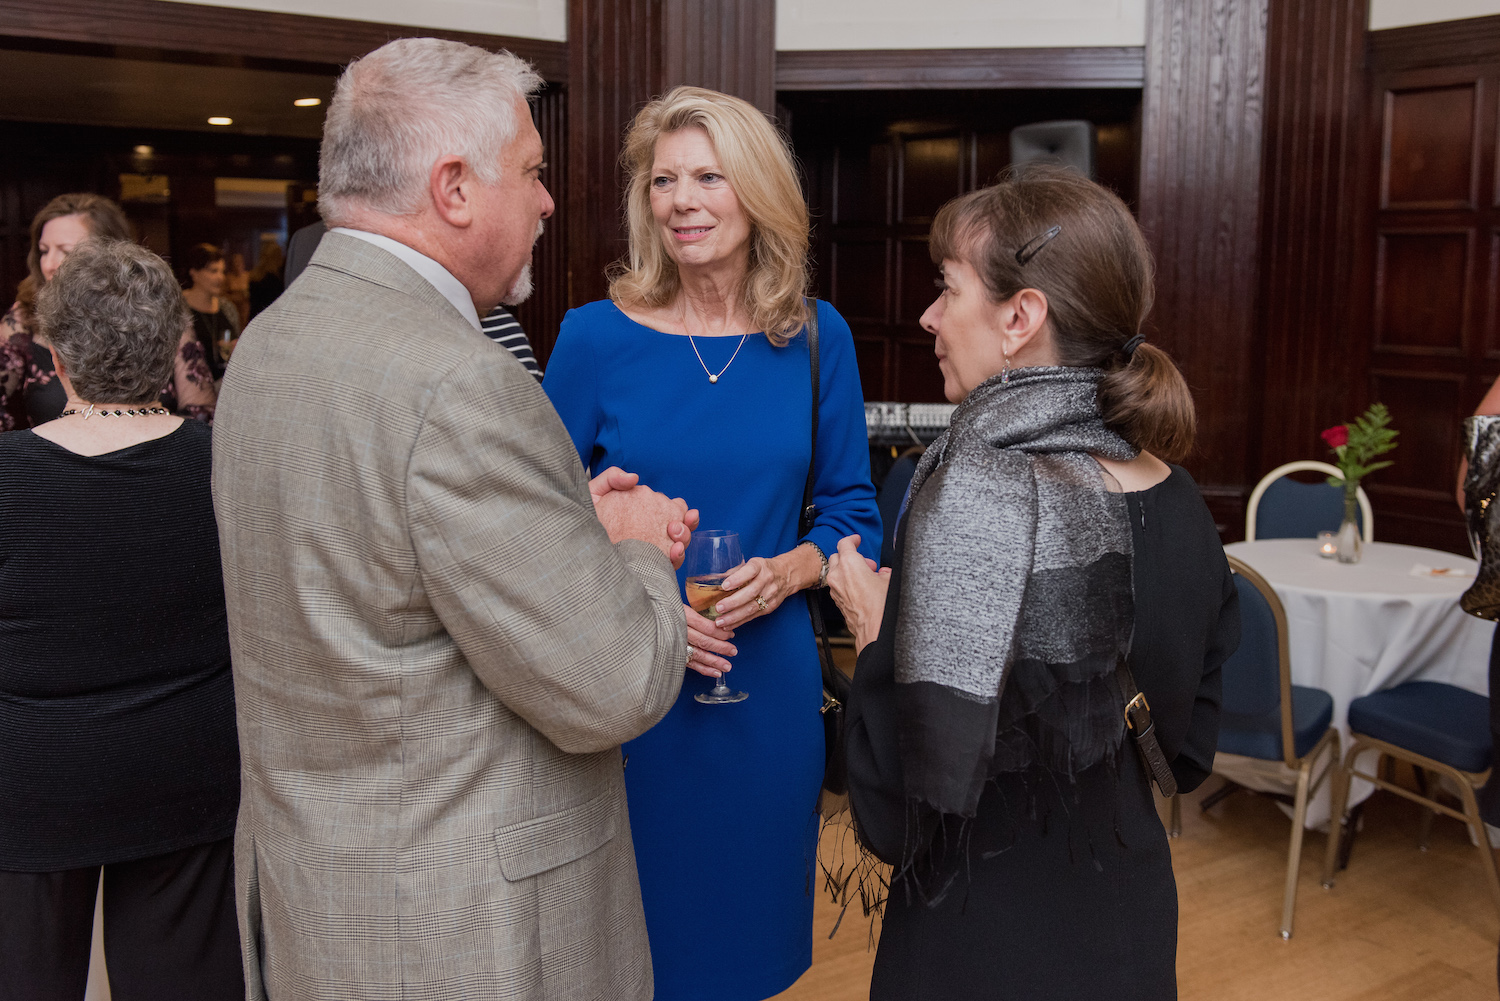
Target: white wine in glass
(704, 592)
(712, 555)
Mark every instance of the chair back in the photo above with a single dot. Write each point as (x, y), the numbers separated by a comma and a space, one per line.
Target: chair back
(1282, 508)
(892, 492)
(1258, 676)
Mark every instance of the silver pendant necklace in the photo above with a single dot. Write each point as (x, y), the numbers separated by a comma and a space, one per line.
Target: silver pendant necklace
(712, 376)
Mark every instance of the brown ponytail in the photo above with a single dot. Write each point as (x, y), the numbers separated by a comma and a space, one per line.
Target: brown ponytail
(1096, 273)
(1146, 400)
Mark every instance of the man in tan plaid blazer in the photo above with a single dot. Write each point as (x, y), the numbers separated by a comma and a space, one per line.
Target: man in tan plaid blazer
(438, 647)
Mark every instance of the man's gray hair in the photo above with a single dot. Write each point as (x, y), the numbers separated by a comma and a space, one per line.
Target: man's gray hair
(114, 314)
(399, 109)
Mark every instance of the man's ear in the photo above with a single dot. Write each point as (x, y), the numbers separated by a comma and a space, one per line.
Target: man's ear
(449, 186)
(1023, 317)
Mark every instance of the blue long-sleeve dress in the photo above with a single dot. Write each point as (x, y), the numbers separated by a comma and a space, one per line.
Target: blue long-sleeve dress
(723, 797)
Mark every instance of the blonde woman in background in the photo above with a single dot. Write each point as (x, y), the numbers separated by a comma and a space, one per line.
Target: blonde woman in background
(696, 371)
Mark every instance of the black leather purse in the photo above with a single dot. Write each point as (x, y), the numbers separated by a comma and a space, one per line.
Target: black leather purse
(835, 682)
(1482, 449)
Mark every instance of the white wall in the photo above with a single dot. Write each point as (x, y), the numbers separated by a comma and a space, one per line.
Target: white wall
(545, 19)
(958, 24)
(1398, 13)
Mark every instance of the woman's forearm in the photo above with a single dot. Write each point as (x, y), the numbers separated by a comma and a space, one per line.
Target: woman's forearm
(798, 568)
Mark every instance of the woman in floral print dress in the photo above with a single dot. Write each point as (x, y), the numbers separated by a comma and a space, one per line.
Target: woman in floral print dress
(29, 391)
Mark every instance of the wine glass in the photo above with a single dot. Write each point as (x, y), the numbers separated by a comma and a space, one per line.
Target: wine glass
(711, 556)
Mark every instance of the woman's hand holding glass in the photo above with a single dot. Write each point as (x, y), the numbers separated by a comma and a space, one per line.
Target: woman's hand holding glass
(859, 588)
(761, 585)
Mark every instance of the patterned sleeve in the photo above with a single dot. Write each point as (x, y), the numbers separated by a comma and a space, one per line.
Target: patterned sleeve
(191, 392)
(13, 358)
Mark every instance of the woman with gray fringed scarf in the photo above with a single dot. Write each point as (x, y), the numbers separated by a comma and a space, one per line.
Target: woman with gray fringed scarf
(1047, 561)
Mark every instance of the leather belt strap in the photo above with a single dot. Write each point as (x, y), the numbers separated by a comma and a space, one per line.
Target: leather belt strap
(1138, 720)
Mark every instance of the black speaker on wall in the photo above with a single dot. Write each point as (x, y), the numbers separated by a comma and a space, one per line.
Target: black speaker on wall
(1070, 142)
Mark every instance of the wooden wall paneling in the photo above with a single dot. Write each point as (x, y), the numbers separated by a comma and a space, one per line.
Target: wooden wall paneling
(1312, 351)
(1422, 291)
(951, 69)
(1413, 499)
(879, 167)
(159, 26)
(727, 45)
(622, 53)
(1425, 297)
(1200, 208)
(1443, 43)
(1429, 153)
(611, 74)
(1491, 327)
(542, 314)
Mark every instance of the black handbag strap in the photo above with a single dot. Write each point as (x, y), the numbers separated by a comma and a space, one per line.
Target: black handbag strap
(809, 510)
(835, 682)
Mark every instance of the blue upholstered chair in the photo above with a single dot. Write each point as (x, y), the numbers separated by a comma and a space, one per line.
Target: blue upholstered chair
(1265, 716)
(892, 493)
(1439, 729)
(1280, 508)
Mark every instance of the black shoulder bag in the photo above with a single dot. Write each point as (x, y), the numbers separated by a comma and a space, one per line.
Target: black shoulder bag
(835, 682)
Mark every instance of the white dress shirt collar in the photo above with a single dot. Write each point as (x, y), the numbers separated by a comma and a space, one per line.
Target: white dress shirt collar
(437, 276)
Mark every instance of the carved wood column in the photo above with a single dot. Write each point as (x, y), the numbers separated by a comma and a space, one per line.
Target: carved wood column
(622, 53)
(1200, 201)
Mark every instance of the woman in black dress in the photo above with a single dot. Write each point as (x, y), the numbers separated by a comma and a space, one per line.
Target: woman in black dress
(117, 729)
(1046, 559)
(215, 320)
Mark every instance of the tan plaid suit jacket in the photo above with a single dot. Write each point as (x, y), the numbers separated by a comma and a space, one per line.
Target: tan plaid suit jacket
(437, 653)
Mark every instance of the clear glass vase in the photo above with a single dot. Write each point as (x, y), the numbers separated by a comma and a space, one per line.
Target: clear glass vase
(1349, 540)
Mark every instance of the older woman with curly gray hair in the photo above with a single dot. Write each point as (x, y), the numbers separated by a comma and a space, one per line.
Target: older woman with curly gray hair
(117, 733)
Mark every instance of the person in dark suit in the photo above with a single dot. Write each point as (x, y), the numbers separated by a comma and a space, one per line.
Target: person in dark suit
(299, 249)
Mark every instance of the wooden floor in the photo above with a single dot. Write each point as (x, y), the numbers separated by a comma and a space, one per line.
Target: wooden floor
(1401, 925)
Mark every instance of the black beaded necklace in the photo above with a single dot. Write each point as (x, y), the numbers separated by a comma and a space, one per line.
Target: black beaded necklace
(91, 411)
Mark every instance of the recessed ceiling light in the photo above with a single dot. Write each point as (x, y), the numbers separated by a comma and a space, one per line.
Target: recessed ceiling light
(308, 102)
(219, 120)
(144, 151)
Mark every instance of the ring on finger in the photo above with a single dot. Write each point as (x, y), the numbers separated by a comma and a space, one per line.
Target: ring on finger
(761, 602)
(691, 651)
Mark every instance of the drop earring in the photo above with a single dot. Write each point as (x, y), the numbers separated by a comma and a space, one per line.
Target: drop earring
(1005, 370)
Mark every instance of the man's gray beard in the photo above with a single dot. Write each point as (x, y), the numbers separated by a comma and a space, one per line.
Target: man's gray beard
(521, 290)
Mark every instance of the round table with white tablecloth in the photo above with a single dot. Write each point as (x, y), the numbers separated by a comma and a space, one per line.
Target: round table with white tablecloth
(1357, 628)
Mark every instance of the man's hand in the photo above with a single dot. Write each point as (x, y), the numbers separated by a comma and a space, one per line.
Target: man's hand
(613, 478)
(628, 510)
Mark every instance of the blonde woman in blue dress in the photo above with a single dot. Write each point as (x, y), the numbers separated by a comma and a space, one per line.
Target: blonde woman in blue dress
(695, 374)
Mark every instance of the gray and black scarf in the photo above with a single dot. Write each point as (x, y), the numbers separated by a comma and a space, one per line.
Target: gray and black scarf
(1017, 605)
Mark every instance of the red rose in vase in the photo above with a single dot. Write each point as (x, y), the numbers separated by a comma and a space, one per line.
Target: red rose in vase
(1337, 436)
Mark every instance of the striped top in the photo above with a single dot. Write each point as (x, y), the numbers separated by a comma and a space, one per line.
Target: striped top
(505, 330)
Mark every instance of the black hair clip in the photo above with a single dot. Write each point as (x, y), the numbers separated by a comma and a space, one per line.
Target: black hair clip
(1033, 246)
